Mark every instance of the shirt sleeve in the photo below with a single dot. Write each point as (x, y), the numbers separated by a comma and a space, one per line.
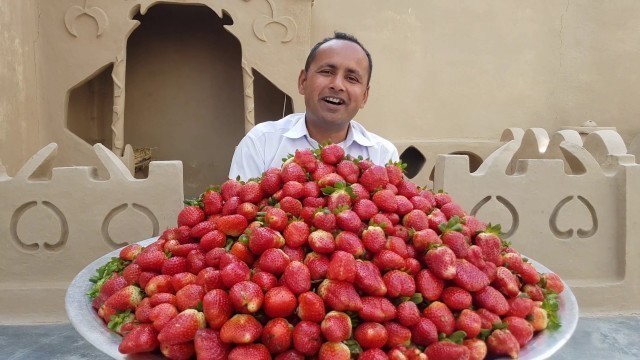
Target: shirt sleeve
(247, 161)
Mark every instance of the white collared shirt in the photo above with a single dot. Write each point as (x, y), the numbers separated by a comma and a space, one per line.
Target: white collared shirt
(265, 145)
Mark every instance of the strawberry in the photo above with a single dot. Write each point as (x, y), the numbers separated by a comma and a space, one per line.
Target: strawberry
(322, 170)
(403, 205)
(385, 200)
(334, 351)
(324, 219)
(217, 308)
(114, 283)
(274, 261)
(307, 338)
(538, 318)
(456, 298)
(447, 350)
(502, 342)
(441, 316)
(377, 308)
(174, 265)
(368, 279)
(412, 265)
(349, 242)
(293, 172)
(336, 326)
(329, 179)
(441, 261)
(348, 220)
(277, 335)
(429, 285)
(263, 238)
(553, 282)
(265, 280)
(528, 273)
(331, 154)
(310, 307)
(190, 216)
(521, 329)
(374, 178)
(519, 306)
(241, 329)
(189, 297)
(291, 354)
(364, 164)
(348, 170)
(201, 228)
(229, 189)
(209, 279)
(322, 241)
(423, 239)
(306, 159)
(250, 351)
(374, 239)
(270, 183)
(401, 231)
(142, 338)
(488, 319)
(130, 252)
(248, 210)
(492, 300)
(416, 219)
(424, 332)
(246, 297)
(452, 209)
(131, 273)
(435, 218)
(469, 322)
(144, 278)
(534, 292)
(469, 277)
(490, 243)
(297, 277)
(279, 301)
(395, 172)
(209, 346)
(182, 351)
(161, 314)
(151, 260)
(293, 189)
(124, 299)
(477, 348)
(398, 283)
(182, 328)
(360, 192)
(294, 254)
(453, 238)
(290, 205)
(276, 219)
(143, 310)
(230, 207)
(373, 354)
(211, 202)
(232, 225)
(234, 273)
(196, 261)
(317, 265)
(342, 267)
(383, 221)
(339, 295)
(422, 204)
(160, 298)
(408, 313)
(397, 245)
(397, 334)
(371, 335)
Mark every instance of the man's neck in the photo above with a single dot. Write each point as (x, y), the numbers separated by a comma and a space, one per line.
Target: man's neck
(323, 136)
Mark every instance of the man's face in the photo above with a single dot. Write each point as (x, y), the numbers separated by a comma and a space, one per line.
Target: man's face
(335, 86)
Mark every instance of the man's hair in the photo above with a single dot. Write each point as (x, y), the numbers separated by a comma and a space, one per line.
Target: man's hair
(338, 36)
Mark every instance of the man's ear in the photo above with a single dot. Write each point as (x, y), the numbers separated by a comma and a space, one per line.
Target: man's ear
(302, 79)
(364, 99)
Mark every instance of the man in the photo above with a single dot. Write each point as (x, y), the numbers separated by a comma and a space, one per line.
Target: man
(335, 85)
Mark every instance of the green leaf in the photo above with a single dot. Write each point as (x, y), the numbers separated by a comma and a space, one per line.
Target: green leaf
(551, 306)
(116, 321)
(103, 273)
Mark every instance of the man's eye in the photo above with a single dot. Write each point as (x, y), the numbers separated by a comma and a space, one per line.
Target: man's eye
(353, 79)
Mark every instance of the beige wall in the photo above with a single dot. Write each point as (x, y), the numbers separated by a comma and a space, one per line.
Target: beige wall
(468, 69)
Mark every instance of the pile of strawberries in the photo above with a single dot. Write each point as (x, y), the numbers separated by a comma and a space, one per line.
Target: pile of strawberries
(327, 257)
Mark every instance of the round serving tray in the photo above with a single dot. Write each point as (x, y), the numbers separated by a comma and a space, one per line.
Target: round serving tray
(86, 321)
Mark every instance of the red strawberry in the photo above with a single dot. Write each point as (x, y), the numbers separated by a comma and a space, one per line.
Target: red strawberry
(212, 202)
(383, 221)
(492, 300)
(263, 238)
(190, 216)
(324, 219)
(521, 329)
(248, 210)
(360, 192)
(317, 264)
(246, 297)
(232, 225)
(279, 301)
(429, 285)
(322, 170)
(488, 318)
(130, 252)
(274, 261)
(297, 277)
(395, 172)
(424, 332)
(377, 308)
(387, 260)
(293, 172)
(506, 282)
(477, 348)
(124, 299)
(229, 189)
(399, 283)
(342, 266)
(373, 354)
(528, 273)
(234, 273)
(435, 218)
(265, 280)
(416, 219)
(330, 179)
(322, 241)
(114, 283)
(371, 335)
(534, 292)
(296, 233)
(161, 314)
(160, 298)
(397, 334)
(332, 154)
(441, 316)
(276, 219)
(307, 338)
(250, 351)
(422, 204)
(374, 239)
(349, 242)
(403, 205)
(553, 282)
(291, 354)
(174, 265)
(143, 310)
(277, 335)
(217, 308)
(469, 277)
(131, 273)
(368, 279)
(306, 159)
(397, 245)
(490, 243)
(334, 351)
(241, 329)
(310, 307)
(374, 178)
(230, 207)
(336, 326)
(339, 295)
(452, 209)
(385, 200)
(454, 240)
(447, 350)
(519, 306)
(422, 239)
(182, 328)
(348, 170)
(408, 313)
(456, 298)
(441, 261)
(178, 351)
(189, 297)
(469, 322)
(293, 189)
(151, 260)
(209, 279)
(208, 345)
(348, 220)
(142, 338)
(502, 342)
(201, 228)
(538, 318)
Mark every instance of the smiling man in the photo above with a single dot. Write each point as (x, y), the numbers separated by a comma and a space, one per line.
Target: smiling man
(335, 85)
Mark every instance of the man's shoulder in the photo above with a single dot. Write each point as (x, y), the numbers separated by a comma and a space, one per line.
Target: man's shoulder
(374, 138)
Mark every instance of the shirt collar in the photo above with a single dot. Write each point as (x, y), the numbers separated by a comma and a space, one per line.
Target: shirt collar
(356, 133)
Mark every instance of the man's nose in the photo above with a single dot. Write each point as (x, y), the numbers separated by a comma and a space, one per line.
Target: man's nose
(337, 83)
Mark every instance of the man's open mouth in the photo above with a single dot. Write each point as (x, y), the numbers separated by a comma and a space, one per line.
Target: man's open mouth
(333, 100)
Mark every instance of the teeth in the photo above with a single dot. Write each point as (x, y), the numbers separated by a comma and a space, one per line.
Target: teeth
(334, 100)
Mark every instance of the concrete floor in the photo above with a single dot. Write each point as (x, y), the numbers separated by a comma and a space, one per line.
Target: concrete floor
(611, 338)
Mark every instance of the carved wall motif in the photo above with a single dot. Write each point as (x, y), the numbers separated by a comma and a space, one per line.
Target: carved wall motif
(96, 13)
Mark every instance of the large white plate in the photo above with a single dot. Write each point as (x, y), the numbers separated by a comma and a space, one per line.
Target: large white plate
(86, 321)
